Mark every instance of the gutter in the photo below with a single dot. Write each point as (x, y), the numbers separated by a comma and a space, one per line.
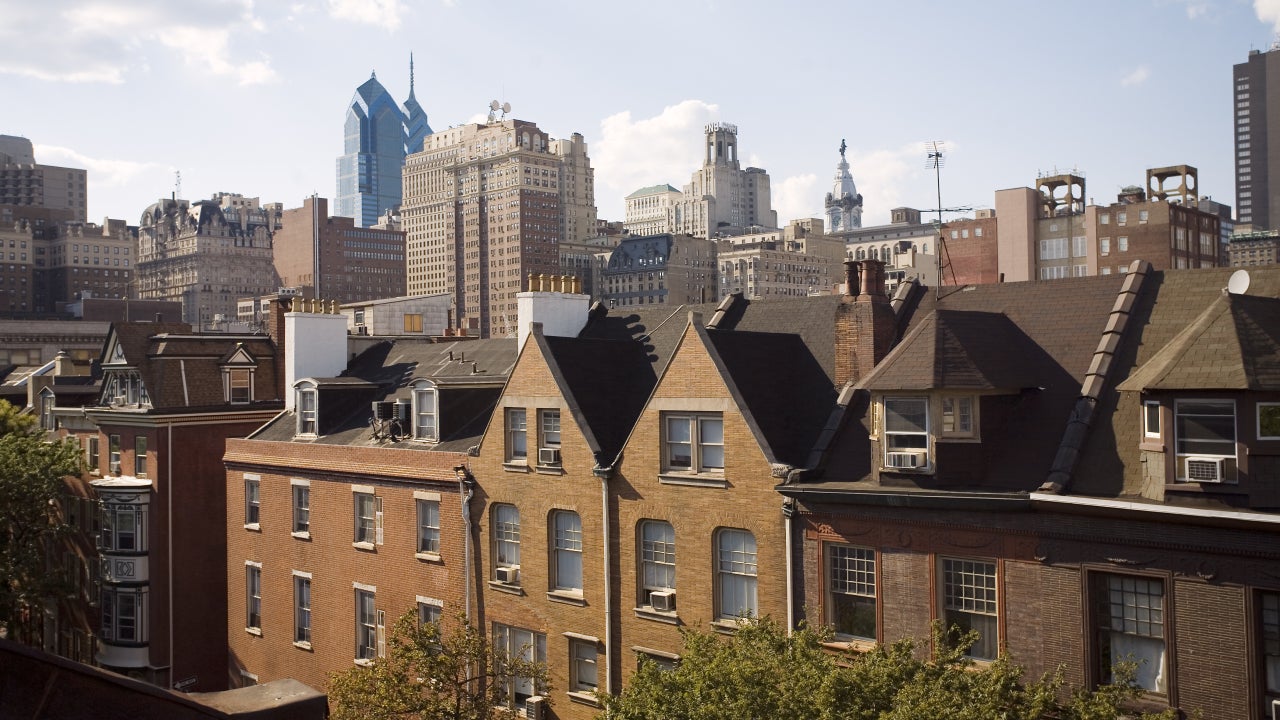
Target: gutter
(954, 500)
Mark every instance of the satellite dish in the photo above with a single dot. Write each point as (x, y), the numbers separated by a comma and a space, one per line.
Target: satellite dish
(506, 108)
(1239, 282)
(493, 105)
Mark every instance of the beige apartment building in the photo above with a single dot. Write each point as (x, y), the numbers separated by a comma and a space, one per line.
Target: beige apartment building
(721, 197)
(23, 181)
(485, 206)
(795, 261)
(646, 211)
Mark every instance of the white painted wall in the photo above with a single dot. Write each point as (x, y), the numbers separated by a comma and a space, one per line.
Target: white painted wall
(561, 314)
(315, 345)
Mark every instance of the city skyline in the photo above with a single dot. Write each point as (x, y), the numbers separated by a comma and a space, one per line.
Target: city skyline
(249, 100)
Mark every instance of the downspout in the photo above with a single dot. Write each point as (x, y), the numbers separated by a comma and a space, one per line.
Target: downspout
(169, 478)
(788, 515)
(604, 473)
(466, 488)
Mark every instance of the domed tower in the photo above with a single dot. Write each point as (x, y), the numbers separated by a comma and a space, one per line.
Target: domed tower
(844, 204)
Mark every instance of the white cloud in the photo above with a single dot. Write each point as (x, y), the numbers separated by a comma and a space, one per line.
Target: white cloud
(1137, 77)
(632, 154)
(1268, 11)
(797, 197)
(381, 13)
(103, 42)
(884, 176)
(108, 178)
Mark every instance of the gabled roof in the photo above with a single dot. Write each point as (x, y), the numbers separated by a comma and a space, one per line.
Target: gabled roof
(657, 328)
(605, 383)
(1233, 345)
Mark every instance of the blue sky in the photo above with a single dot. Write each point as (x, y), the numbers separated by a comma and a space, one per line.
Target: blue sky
(248, 97)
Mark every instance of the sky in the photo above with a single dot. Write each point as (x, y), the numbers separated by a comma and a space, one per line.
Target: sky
(249, 96)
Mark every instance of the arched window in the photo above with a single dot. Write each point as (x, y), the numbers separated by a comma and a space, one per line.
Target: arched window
(307, 406)
(425, 426)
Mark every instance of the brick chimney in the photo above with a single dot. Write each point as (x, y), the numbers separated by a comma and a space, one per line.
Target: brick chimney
(865, 323)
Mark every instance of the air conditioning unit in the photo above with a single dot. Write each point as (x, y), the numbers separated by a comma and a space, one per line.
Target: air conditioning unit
(535, 707)
(1203, 469)
(404, 410)
(915, 459)
(383, 410)
(664, 600)
(509, 575)
(548, 456)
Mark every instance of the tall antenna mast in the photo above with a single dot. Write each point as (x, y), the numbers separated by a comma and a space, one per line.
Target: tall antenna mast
(935, 160)
(177, 184)
(410, 74)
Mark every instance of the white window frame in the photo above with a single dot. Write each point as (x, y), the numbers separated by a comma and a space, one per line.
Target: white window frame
(253, 597)
(367, 516)
(308, 401)
(1180, 455)
(583, 668)
(114, 616)
(702, 435)
(895, 439)
(970, 598)
(1151, 429)
(235, 378)
(140, 458)
(657, 558)
(531, 646)
(852, 582)
(516, 427)
(549, 428)
(300, 502)
(114, 515)
(566, 552)
(505, 519)
(252, 502)
(959, 415)
(426, 412)
(1137, 628)
(366, 626)
(737, 572)
(429, 610)
(428, 535)
(302, 609)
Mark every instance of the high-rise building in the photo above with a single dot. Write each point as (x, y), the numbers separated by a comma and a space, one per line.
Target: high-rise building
(721, 197)
(335, 259)
(843, 203)
(378, 136)
(646, 212)
(1255, 86)
(23, 181)
(487, 205)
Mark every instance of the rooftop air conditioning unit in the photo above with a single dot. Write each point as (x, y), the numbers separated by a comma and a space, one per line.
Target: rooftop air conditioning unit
(535, 707)
(509, 575)
(663, 600)
(1203, 469)
(404, 410)
(916, 459)
(548, 456)
(383, 410)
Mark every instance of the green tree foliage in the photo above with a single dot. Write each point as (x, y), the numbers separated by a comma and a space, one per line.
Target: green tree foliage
(432, 675)
(761, 672)
(31, 483)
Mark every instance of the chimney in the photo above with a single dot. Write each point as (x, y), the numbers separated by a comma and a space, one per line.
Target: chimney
(562, 313)
(62, 365)
(315, 345)
(851, 287)
(866, 326)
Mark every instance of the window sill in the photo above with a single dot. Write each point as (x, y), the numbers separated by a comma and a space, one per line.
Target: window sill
(584, 697)
(1151, 445)
(303, 645)
(363, 662)
(253, 527)
(549, 469)
(693, 479)
(727, 627)
(428, 557)
(851, 644)
(304, 535)
(366, 546)
(254, 631)
(1216, 488)
(567, 597)
(518, 466)
(505, 588)
(648, 613)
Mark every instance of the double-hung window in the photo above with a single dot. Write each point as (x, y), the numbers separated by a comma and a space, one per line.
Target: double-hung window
(308, 398)
(368, 517)
(302, 608)
(548, 437)
(969, 602)
(906, 431)
(657, 559)
(517, 435)
(252, 500)
(424, 412)
(253, 597)
(1130, 626)
(239, 385)
(506, 543)
(113, 447)
(693, 442)
(957, 414)
(428, 526)
(430, 610)
(567, 552)
(512, 642)
(1205, 437)
(582, 665)
(851, 591)
(301, 507)
(366, 623)
(735, 574)
(140, 455)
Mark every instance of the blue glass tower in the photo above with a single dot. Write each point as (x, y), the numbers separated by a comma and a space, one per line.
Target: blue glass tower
(378, 135)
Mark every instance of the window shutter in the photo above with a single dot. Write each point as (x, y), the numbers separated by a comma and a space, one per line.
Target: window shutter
(382, 632)
(377, 522)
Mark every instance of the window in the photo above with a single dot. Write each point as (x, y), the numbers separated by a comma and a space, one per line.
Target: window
(1142, 217)
(368, 517)
(582, 665)
(301, 507)
(252, 500)
(124, 526)
(694, 443)
(239, 385)
(1269, 607)
(424, 413)
(528, 646)
(906, 423)
(1205, 437)
(969, 602)
(566, 557)
(91, 453)
(957, 415)
(1104, 219)
(517, 447)
(851, 593)
(657, 559)
(302, 608)
(1269, 421)
(253, 597)
(428, 526)
(113, 447)
(1121, 218)
(1151, 419)
(1130, 625)
(413, 322)
(1104, 246)
(124, 618)
(140, 455)
(736, 574)
(1079, 245)
(307, 397)
(549, 427)
(1122, 243)
(430, 610)
(506, 543)
(367, 629)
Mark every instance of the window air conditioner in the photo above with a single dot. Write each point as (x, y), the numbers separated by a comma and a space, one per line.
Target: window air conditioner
(548, 456)
(535, 707)
(382, 410)
(664, 600)
(404, 410)
(1203, 469)
(906, 459)
(509, 575)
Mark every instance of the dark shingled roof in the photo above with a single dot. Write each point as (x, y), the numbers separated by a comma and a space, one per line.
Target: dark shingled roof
(658, 328)
(960, 350)
(607, 382)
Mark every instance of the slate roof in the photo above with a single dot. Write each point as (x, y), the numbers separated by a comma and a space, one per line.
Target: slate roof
(960, 350)
(606, 383)
(652, 190)
(469, 376)
(658, 328)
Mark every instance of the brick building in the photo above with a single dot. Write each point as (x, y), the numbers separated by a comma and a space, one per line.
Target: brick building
(330, 257)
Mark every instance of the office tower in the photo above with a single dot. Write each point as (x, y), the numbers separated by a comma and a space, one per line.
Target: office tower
(1256, 85)
(23, 181)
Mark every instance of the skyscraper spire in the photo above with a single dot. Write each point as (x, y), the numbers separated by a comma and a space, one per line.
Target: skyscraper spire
(410, 74)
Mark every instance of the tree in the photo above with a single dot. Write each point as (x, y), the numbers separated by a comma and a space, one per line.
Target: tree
(433, 675)
(761, 672)
(31, 483)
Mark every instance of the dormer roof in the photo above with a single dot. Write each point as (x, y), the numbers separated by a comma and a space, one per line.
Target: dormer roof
(961, 350)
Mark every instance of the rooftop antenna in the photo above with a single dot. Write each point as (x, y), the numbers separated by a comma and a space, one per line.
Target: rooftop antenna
(177, 183)
(935, 159)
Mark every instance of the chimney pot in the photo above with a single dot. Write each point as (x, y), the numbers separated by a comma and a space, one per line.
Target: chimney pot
(851, 278)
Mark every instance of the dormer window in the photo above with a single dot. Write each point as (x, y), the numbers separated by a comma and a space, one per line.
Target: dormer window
(238, 384)
(1205, 437)
(425, 426)
(1151, 419)
(957, 415)
(1268, 421)
(906, 432)
(307, 402)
